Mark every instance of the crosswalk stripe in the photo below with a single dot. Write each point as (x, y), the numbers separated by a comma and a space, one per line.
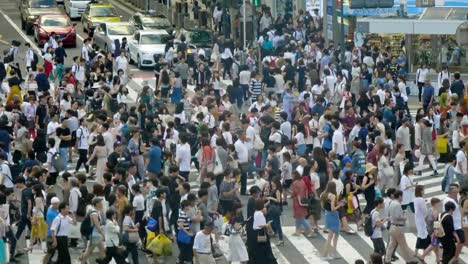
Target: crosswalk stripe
(303, 245)
(371, 245)
(411, 240)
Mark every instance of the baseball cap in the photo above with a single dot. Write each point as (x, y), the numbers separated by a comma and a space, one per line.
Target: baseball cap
(346, 160)
(54, 200)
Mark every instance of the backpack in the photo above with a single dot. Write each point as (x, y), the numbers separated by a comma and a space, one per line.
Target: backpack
(400, 103)
(57, 162)
(284, 139)
(334, 168)
(35, 58)
(408, 90)
(86, 228)
(81, 209)
(368, 227)
(438, 228)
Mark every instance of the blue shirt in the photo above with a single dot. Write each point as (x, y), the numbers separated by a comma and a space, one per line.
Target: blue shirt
(5, 138)
(428, 93)
(51, 214)
(327, 141)
(42, 82)
(154, 156)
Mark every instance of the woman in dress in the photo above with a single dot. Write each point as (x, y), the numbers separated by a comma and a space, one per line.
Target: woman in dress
(331, 205)
(38, 224)
(237, 249)
(368, 187)
(407, 187)
(300, 208)
(177, 91)
(48, 62)
(99, 152)
(15, 89)
(97, 235)
(274, 205)
(427, 146)
(262, 253)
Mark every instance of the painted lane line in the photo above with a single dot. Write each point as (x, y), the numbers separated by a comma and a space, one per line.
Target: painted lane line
(303, 245)
(20, 32)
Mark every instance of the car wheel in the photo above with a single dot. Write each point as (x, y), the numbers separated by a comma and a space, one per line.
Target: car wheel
(139, 63)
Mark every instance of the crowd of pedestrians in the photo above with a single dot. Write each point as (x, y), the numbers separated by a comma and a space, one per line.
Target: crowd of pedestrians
(315, 131)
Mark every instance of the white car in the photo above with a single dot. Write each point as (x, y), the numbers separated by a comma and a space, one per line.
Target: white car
(106, 34)
(146, 44)
(74, 8)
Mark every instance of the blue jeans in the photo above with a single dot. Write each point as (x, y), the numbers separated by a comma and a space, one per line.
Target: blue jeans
(276, 224)
(304, 223)
(64, 155)
(245, 90)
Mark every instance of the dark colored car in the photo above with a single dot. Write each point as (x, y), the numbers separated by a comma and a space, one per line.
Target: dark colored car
(151, 21)
(198, 37)
(31, 10)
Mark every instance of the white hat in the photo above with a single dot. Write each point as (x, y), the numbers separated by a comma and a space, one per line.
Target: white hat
(54, 200)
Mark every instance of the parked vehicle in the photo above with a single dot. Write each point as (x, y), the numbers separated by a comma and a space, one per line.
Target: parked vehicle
(60, 24)
(106, 34)
(145, 45)
(31, 10)
(95, 14)
(74, 8)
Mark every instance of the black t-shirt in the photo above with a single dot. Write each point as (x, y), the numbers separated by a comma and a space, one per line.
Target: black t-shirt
(447, 224)
(63, 132)
(26, 195)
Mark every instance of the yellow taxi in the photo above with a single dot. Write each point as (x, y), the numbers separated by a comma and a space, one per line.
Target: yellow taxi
(95, 14)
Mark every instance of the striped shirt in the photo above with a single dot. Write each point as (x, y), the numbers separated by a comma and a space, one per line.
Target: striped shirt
(256, 89)
(184, 218)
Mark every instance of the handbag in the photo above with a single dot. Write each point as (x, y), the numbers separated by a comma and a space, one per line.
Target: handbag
(261, 236)
(152, 224)
(218, 167)
(258, 143)
(130, 237)
(441, 145)
(388, 172)
(183, 237)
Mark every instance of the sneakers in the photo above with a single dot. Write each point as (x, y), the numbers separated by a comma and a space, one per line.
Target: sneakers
(326, 258)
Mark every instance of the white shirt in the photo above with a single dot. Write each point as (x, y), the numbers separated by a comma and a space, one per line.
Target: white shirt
(259, 220)
(109, 141)
(421, 75)
(82, 135)
(121, 63)
(338, 141)
(275, 137)
(408, 193)
(202, 243)
(242, 151)
(29, 57)
(461, 160)
(7, 179)
(285, 127)
(139, 202)
(75, 194)
(300, 138)
(52, 128)
(227, 137)
(244, 77)
(112, 234)
(209, 120)
(457, 224)
(183, 156)
(84, 53)
(50, 154)
(250, 134)
(420, 212)
(62, 225)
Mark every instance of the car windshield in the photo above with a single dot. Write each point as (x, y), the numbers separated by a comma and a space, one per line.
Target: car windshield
(154, 39)
(101, 12)
(43, 3)
(156, 22)
(120, 29)
(199, 37)
(57, 21)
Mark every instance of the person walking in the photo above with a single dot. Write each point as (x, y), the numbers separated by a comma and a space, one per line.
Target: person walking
(427, 146)
(398, 219)
(332, 220)
(202, 244)
(451, 238)
(60, 229)
(378, 223)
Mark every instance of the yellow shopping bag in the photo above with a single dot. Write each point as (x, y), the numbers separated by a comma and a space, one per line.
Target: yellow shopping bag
(161, 245)
(441, 145)
(150, 237)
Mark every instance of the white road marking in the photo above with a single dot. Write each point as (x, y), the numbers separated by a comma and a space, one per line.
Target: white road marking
(20, 32)
(303, 245)
(411, 240)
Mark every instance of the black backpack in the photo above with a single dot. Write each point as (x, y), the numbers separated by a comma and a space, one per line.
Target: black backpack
(86, 228)
(81, 209)
(368, 227)
(400, 103)
(284, 138)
